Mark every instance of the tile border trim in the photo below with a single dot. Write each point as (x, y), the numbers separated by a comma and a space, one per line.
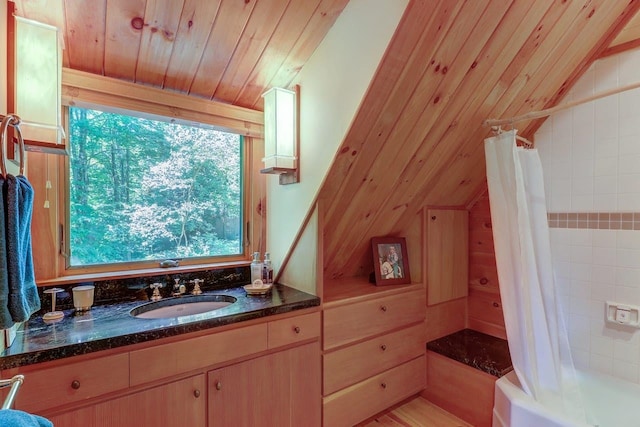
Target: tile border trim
(595, 220)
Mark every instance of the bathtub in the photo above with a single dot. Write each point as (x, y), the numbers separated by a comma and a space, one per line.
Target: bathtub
(612, 403)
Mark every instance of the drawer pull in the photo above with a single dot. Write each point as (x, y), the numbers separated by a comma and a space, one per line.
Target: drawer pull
(383, 347)
(383, 307)
(196, 393)
(383, 385)
(296, 329)
(75, 384)
(218, 385)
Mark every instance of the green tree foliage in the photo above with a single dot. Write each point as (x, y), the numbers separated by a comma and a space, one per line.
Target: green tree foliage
(145, 190)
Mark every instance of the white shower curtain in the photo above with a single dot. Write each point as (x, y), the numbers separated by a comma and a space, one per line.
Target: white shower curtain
(535, 328)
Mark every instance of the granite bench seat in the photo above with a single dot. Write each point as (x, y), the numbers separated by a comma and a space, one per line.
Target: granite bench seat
(476, 349)
(462, 369)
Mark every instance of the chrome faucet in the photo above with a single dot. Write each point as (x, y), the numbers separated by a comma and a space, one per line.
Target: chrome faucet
(156, 291)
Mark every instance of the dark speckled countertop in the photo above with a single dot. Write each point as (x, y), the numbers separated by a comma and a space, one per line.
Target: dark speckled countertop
(475, 349)
(110, 326)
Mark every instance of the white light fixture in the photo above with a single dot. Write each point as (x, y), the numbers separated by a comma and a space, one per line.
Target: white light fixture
(281, 134)
(38, 73)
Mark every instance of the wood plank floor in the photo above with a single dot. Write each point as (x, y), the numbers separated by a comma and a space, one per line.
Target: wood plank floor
(417, 412)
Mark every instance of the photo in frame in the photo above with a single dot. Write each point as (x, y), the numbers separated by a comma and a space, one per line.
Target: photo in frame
(390, 261)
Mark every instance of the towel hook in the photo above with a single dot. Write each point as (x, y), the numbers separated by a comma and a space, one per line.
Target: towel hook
(10, 120)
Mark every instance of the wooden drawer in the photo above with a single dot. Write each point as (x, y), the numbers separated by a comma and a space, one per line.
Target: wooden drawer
(365, 399)
(349, 323)
(293, 329)
(165, 360)
(355, 363)
(63, 384)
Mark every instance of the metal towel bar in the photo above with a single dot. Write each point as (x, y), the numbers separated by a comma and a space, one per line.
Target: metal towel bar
(15, 384)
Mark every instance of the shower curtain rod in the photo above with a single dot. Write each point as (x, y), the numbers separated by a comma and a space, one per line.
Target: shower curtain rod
(547, 112)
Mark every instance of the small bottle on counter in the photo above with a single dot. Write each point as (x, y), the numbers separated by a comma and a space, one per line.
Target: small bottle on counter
(256, 267)
(267, 270)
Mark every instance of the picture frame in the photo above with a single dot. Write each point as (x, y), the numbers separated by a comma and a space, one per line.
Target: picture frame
(390, 261)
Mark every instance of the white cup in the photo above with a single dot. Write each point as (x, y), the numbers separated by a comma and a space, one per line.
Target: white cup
(83, 297)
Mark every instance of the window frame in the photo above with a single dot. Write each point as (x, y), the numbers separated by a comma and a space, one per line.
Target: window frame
(50, 225)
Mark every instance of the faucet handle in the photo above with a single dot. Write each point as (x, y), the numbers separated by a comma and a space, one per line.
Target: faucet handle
(196, 286)
(156, 291)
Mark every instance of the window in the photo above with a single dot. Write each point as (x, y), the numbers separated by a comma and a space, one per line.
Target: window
(149, 190)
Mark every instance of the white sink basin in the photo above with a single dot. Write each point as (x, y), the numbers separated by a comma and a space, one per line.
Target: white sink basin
(182, 306)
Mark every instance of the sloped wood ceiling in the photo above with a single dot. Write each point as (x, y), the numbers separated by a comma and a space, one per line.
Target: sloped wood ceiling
(225, 50)
(417, 139)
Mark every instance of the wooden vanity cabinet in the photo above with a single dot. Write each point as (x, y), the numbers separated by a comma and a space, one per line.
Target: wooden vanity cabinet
(58, 383)
(373, 350)
(265, 373)
(279, 389)
(178, 403)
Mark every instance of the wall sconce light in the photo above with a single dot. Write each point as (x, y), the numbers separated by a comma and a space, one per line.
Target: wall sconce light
(37, 77)
(281, 134)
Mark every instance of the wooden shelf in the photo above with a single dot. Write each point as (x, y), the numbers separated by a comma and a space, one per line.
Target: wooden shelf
(348, 290)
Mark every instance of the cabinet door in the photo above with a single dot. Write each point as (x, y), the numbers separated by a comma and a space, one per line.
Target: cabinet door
(306, 378)
(252, 393)
(177, 404)
(447, 254)
(280, 389)
(113, 413)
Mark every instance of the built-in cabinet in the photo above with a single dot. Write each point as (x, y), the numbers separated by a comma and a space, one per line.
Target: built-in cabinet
(177, 403)
(267, 391)
(373, 349)
(263, 374)
(447, 252)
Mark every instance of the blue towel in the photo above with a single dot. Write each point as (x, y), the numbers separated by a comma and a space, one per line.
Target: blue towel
(5, 317)
(15, 418)
(23, 293)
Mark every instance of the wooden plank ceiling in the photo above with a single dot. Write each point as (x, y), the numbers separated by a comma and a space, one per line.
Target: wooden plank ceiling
(416, 140)
(225, 50)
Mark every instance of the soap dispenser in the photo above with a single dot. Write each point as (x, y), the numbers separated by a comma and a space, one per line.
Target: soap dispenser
(267, 270)
(256, 267)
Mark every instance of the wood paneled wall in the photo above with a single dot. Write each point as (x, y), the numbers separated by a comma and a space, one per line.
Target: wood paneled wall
(484, 304)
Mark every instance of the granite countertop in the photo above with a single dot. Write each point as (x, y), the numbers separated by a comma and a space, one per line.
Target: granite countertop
(481, 351)
(110, 326)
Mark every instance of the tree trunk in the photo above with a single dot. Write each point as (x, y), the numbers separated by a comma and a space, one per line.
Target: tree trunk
(80, 169)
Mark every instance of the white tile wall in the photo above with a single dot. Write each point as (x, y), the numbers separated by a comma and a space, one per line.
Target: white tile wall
(591, 160)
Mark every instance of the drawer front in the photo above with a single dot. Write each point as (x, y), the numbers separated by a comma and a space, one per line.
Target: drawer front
(355, 363)
(348, 323)
(165, 360)
(293, 329)
(365, 399)
(76, 381)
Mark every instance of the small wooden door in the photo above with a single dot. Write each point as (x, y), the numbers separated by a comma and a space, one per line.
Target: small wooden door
(447, 254)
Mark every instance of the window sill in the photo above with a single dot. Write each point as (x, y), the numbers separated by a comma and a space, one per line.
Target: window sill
(126, 274)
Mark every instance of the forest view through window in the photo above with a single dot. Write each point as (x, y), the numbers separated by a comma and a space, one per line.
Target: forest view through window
(151, 190)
